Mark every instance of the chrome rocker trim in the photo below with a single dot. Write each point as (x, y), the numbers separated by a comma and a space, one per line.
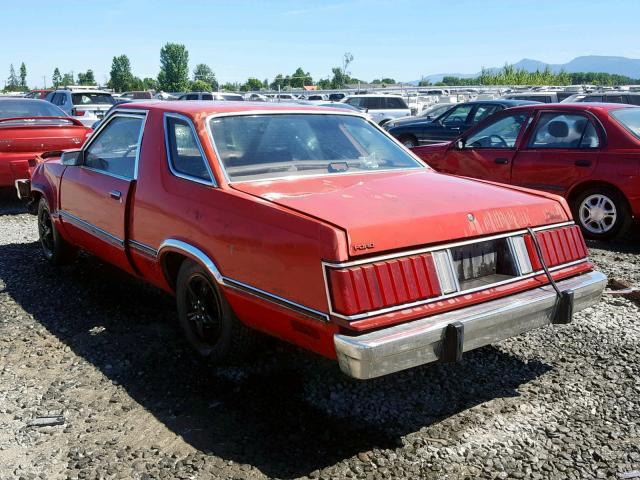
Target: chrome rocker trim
(420, 342)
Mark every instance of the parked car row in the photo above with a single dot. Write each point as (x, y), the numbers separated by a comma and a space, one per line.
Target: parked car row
(314, 225)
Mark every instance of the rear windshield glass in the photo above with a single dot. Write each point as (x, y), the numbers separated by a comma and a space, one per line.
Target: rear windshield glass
(260, 147)
(29, 108)
(90, 98)
(629, 118)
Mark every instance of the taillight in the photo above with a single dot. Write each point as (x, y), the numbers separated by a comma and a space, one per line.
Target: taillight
(558, 246)
(77, 113)
(383, 284)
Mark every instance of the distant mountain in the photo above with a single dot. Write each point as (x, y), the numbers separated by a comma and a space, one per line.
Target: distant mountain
(629, 67)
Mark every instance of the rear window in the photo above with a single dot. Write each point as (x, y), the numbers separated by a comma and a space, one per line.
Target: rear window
(29, 108)
(261, 147)
(90, 98)
(629, 118)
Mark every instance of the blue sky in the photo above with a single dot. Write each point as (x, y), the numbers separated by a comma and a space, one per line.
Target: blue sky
(402, 39)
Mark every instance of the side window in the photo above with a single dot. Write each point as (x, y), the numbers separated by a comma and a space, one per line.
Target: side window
(355, 102)
(192, 96)
(561, 130)
(614, 99)
(185, 157)
(482, 112)
(115, 148)
(457, 116)
(634, 99)
(373, 103)
(502, 133)
(396, 103)
(593, 98)
(207, 96)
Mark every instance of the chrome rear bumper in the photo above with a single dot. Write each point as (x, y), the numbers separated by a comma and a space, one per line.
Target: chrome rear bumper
(420, 342)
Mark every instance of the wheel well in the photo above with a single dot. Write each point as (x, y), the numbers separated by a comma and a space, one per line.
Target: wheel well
(171, 263)
(578, 189)
(32, 205)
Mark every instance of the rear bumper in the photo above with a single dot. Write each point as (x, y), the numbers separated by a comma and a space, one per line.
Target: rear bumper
(420, 342)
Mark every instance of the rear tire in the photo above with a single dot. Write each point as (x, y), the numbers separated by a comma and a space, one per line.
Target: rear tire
(56, 249)
(602, 213)
(206, 319)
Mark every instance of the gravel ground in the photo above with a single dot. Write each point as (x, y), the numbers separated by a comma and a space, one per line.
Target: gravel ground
(103, 351)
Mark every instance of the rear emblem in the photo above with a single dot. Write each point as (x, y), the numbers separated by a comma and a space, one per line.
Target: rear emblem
(470, 217)
(363, 246)
(76, 140)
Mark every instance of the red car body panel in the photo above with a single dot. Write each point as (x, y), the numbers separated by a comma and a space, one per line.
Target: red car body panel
(273, 236)
(21, 140)
(616, 162)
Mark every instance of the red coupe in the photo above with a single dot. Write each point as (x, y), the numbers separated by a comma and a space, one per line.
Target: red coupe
(30, 127)
(312, 225)
(588, 153)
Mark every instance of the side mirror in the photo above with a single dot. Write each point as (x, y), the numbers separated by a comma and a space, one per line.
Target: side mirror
(460, 144)
(72, 158)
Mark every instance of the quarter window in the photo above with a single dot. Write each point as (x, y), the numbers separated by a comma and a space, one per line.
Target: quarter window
(115, 149)
(560, 130)
(457, 116)
(184, 153)
(483, 111)
(502, 133)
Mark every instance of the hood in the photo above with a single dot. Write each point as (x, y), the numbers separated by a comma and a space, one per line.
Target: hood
(398, 210)
(411, 122)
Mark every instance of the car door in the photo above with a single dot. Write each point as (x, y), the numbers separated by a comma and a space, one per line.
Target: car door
(562, 150)
(94, 196)
(487, 152)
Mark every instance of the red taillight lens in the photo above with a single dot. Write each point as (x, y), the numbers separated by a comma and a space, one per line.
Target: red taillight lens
(558, 245)
(383, 284)
(77, 113)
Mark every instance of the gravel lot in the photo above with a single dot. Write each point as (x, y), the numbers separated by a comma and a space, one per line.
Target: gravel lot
(103, 350)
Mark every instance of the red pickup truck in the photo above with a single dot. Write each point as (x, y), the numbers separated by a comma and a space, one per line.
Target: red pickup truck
(315, 226)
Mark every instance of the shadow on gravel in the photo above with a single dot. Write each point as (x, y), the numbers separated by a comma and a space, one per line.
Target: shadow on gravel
(10, 204)
(288, 413)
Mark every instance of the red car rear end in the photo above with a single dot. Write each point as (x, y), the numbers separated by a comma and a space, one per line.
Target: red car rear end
(27, 129)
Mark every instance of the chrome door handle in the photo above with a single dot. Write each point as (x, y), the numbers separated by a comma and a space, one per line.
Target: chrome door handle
(115, 194)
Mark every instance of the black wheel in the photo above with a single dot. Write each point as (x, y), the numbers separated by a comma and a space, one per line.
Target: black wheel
(408, 141)
(209, 324)
(602, 213)
(55, 248)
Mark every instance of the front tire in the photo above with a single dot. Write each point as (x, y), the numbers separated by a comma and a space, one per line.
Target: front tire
(56, 249)
(206, 319)
(602, 213)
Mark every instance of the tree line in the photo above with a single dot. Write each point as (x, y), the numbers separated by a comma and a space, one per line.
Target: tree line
(510, 75)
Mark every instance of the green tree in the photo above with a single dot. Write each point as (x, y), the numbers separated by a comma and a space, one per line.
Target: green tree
(86, 78)
(300, 78)
(204, 73)
(200, 86)
(67, 79)
(12, 81)
(136, 84)
(251, 85)
(23, 75)
(230, 87)
(278, 82)
(120, 75)
(149, 84)
(56, 79)
(174, 68)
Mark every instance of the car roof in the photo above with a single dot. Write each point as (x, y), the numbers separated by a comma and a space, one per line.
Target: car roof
(500, 101)
(589, 106)
(375, 95)
(89, 90)
(208, 107)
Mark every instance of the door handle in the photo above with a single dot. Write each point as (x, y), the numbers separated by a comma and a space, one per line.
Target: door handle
(582, 163)
(501, 161)
(115, 194)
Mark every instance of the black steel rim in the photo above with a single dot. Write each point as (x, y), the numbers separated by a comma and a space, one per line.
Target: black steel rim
(204, 312)
(45, 230)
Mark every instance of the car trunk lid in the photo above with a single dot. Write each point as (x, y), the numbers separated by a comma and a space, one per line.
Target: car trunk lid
(398, 210)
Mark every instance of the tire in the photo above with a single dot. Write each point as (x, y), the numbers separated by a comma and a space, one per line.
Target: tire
(56, 249)
(602, 213)
(408, 141)
(206, 319)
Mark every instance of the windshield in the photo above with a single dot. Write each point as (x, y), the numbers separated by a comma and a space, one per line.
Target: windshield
(29, 109)
(629, 118)
(261, 147)
(92, 98)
